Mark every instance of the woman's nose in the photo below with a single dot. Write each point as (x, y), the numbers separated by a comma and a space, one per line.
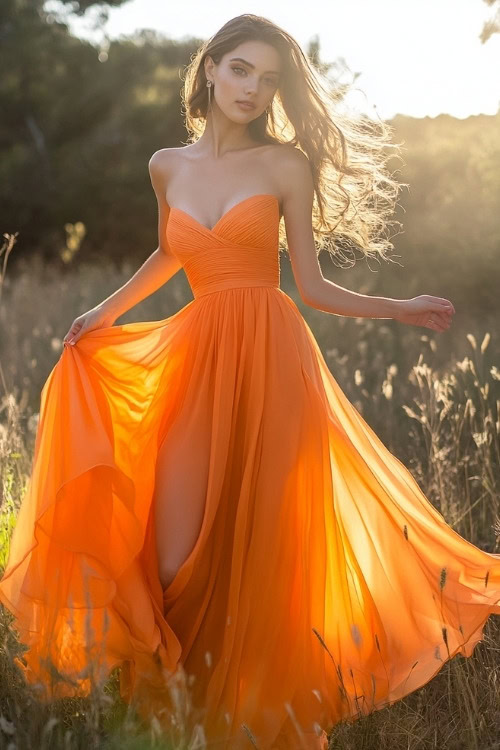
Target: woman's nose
(251, 87)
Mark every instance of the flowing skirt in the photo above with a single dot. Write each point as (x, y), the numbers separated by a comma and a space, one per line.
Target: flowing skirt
(323, 584)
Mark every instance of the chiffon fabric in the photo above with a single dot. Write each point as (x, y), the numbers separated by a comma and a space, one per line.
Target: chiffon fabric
(323, 584)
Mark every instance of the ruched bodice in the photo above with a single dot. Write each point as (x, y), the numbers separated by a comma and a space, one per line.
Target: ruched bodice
(241, 250)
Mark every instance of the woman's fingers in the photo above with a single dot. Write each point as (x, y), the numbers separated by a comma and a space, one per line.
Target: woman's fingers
(70, 337)
(442, 305)
(435, 313)
(440, 314)
(438, 321)
(444, 318)
(435, 318)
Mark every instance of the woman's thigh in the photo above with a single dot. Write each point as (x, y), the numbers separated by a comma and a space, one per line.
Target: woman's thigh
(181, 485)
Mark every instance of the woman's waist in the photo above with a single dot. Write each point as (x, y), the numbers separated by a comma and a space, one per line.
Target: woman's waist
(212, 286)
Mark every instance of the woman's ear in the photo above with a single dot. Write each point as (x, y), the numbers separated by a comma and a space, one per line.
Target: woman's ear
(208, 62)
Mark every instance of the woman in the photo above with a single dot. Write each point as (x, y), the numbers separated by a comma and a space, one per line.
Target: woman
(205, 500)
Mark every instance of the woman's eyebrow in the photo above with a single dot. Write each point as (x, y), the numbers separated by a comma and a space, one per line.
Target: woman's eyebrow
(250, 65)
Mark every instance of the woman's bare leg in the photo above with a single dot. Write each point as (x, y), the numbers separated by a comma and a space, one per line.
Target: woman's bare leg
(180, 488)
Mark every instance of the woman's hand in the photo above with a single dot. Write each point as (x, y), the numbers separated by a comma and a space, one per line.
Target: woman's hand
(426, 311)
(97, 317)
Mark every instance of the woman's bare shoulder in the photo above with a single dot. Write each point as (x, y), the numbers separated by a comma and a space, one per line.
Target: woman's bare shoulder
(165, 162)
(290, 165)
(286, 156)
(288, 153)
(164, 156)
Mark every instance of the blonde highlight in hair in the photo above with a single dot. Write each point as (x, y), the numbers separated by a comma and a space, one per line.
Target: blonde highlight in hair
(354, 193)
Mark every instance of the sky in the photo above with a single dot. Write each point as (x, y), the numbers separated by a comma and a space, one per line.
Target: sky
(414, 57)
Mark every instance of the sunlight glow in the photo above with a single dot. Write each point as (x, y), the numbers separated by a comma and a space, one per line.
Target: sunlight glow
(416, 58)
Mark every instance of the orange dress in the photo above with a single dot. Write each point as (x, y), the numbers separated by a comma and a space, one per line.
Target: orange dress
(323, 583)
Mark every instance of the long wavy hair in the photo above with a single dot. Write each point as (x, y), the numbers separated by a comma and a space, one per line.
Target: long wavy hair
(354, 193)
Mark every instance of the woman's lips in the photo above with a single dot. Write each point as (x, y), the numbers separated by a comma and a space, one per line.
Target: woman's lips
(246, 105)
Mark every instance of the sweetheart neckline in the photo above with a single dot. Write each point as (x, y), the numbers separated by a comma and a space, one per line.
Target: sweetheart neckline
(236, 205)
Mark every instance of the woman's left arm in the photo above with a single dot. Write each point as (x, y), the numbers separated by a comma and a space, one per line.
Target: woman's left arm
(297, 199)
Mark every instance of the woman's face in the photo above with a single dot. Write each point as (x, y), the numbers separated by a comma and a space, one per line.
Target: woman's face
(249, 73)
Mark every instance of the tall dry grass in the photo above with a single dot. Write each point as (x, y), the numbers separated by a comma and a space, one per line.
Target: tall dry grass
(444, 423)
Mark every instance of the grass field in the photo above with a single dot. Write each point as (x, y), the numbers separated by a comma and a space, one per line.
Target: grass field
(441, 418)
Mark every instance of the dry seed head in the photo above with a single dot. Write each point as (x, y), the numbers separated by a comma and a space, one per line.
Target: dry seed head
(485, 342)
(472, 341)
(387, 389)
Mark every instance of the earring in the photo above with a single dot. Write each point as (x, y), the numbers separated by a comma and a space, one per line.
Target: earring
(209, 86)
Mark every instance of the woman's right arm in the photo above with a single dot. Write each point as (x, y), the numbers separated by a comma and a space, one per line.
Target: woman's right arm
(161, 265)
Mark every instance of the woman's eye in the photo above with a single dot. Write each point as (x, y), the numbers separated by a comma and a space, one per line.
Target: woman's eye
(269, 81)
